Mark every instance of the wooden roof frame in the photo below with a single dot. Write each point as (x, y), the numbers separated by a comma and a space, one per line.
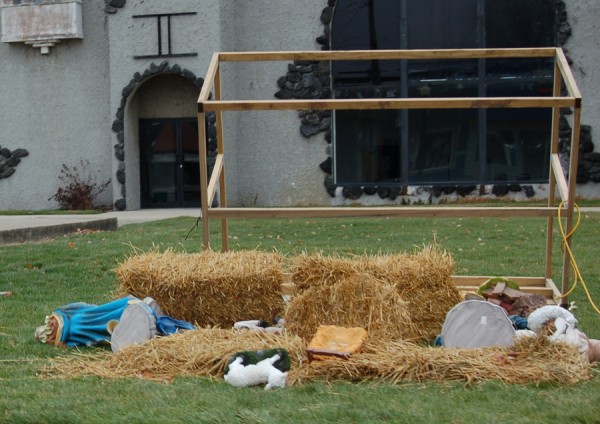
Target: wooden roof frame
(559, 186)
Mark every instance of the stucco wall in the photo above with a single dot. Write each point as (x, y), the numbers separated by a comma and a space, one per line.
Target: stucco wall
(583, 48)
(60, 106)
(57, 107)
(273, 164)
(129, 37)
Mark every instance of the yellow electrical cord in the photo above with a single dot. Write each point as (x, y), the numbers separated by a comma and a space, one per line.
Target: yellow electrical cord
(565, 245)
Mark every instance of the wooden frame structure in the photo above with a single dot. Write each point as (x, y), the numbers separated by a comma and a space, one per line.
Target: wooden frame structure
(558, 184)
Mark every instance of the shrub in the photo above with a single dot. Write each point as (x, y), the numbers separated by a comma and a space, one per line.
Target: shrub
(79, 188)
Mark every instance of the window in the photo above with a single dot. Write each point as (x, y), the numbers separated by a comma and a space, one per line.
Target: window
(407, 147)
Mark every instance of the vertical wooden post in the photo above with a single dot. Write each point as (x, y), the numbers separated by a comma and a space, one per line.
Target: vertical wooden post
(552, 179)
(573, 165)
(203, 165)
(220, 150)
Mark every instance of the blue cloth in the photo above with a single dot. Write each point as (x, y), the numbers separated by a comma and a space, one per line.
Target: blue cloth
(84, 324)
(167, 325)
(518, 322)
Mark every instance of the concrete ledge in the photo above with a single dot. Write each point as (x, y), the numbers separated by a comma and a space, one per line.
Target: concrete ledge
(22, 235)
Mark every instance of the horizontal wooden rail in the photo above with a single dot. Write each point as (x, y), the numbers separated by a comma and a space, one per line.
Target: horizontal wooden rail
(380, 103)
(402, 211)
(387, 54)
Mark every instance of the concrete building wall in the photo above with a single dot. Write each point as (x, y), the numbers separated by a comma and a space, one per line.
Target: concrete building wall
(56, 106)
(62, 106)
(129, 37)
(582, 47)
(273, 165)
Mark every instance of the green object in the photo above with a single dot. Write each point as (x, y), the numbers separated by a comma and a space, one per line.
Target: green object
(255, 356)
(491, 283)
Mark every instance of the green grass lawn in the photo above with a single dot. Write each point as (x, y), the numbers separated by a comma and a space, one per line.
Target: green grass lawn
(46, 275)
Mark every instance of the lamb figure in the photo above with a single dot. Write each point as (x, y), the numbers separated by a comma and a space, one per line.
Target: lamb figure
(255, 374)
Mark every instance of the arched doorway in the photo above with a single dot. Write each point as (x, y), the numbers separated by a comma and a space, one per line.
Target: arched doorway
(162, 113)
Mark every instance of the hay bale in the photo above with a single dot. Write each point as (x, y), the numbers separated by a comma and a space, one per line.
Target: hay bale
(197, 353)
(421, 282)
(209, 288)
(359, 300)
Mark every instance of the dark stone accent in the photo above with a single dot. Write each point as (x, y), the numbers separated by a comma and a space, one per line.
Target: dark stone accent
(120, 152)
(121, 204)
(500, 190)
(383, 192)
(326, 15)
(515, 188)
(352, 193)
(329, 185)
(115, 3)
(395, 191)
(284, 94)
(117, 125)
(129, 88)
(308, 131)
(465, 190)
(592, 157)
(188, 74)
(20, 153)
(326, 165)
(121, 176)
(528, 190)
(370, 191)
(9, 160)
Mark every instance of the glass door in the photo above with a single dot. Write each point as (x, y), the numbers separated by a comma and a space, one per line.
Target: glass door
(169, 168)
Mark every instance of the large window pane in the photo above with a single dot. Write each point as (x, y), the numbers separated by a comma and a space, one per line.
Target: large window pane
(443, 78)
(442, 24)
(443, 146)
(518, 145)
(367, 146)
(520, 23)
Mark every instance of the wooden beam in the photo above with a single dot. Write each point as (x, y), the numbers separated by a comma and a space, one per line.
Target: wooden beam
(415, 212)
(559, 175)
(567, 75)
(213, 69)
(214, 177)
(385, 103)
(386, 54)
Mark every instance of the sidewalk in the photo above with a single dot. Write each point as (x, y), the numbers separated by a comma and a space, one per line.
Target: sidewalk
(22, 228)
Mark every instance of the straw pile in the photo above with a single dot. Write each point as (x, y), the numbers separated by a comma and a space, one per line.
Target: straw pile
(530, 360)
(402, 296)
(209, 288)
(205, 353)
(197, 353)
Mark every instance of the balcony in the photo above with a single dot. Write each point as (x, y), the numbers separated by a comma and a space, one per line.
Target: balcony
(40, 23)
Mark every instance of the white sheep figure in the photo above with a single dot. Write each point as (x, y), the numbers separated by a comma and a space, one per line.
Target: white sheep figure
(541, 316)
(254, 374)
